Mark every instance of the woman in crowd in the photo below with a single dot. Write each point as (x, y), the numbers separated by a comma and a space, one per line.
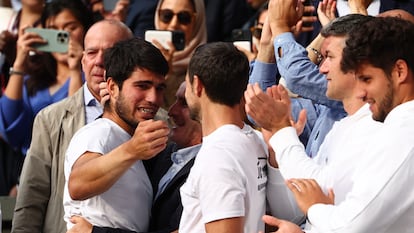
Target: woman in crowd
(38, 79)
(187, 16)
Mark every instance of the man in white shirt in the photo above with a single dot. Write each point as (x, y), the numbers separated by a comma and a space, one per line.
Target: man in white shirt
(39, 204)
(332, 164)
(226, 185)
(106, 181)
(383, 174)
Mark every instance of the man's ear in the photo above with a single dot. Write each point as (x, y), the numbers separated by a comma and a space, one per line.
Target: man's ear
(401, 70)
(112, 87)
(198, 86)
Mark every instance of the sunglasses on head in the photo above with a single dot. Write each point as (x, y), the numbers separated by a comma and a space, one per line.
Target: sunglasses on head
(184, 17)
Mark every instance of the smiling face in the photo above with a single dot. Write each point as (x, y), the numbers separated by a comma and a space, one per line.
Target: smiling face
(340, 85)
(139, 98)
(187, 131)
(375, 88)
(177, 6)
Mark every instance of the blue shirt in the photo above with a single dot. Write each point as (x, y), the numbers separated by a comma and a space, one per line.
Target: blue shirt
(179, 158)
(93, 109)
(17, 116)
(303, 78)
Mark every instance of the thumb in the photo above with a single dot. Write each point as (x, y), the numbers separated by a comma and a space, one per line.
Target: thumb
(74, 219)
(271, 221)
(284, 95)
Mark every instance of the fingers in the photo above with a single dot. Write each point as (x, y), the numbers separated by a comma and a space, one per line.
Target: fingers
(75, 219)
(272, 221)
(150, 138)
(103, 92)
(301, 122)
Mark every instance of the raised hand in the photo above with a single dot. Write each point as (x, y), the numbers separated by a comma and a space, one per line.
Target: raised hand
(149, 139)
(283, 15)
(326, 11)
(8, 42)
(270, 110)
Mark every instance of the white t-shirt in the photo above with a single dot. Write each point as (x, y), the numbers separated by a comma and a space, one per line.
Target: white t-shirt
(228, 179)
(127, 204)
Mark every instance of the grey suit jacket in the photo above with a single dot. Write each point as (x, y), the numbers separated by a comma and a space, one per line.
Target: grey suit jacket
(39, 205)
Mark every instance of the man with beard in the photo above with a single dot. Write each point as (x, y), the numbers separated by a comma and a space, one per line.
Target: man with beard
(167, 172)
(106, 181)
(39, 204)
(384, 171)
(226, 186)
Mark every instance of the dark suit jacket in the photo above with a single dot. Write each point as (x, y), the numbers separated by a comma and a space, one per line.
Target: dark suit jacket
(140, 16)
(407, 5)
(167, 208)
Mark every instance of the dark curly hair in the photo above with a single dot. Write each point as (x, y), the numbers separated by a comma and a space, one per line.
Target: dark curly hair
(380, 42)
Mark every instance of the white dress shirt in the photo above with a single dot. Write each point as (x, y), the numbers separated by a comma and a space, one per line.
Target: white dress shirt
(382, 197)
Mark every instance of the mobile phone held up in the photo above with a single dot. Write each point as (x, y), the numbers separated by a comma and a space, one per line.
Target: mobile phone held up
(57, 40)
(176, 37)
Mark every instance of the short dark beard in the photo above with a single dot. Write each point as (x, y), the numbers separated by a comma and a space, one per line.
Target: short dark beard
(122, 112)
(385, 106)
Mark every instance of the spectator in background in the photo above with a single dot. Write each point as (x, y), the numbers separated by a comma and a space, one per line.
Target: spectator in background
(189, 17)
(370, 7)
(140, 16)
(28, 16)
(223, 17)
(54, 77)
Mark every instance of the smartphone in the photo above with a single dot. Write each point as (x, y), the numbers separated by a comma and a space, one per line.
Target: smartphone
(57, 40)
(241, 35)
(176, 37)
(109, 5)
(247, 45)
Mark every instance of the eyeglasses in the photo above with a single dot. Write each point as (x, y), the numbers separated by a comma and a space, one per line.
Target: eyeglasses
(184, 17)
(256, 32)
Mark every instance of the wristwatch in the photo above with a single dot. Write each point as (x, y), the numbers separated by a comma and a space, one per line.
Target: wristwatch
(15, 72)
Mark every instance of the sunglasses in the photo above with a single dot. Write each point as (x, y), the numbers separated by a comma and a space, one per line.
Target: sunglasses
(184, 17)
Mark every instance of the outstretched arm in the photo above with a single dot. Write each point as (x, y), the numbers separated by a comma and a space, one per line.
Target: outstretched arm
(93, 173)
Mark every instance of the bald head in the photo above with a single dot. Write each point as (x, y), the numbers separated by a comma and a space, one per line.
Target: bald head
(398, 13)
(112, 28)
(100, 36)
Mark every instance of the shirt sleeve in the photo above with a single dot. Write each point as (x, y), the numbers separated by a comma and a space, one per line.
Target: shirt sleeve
(15, 119)
(302, 76)
(380, 187)
(292, 159)
(281, 202)
(263, 73)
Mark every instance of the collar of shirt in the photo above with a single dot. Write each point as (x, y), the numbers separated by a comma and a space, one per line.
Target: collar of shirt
(93, 109)
(182, 156)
